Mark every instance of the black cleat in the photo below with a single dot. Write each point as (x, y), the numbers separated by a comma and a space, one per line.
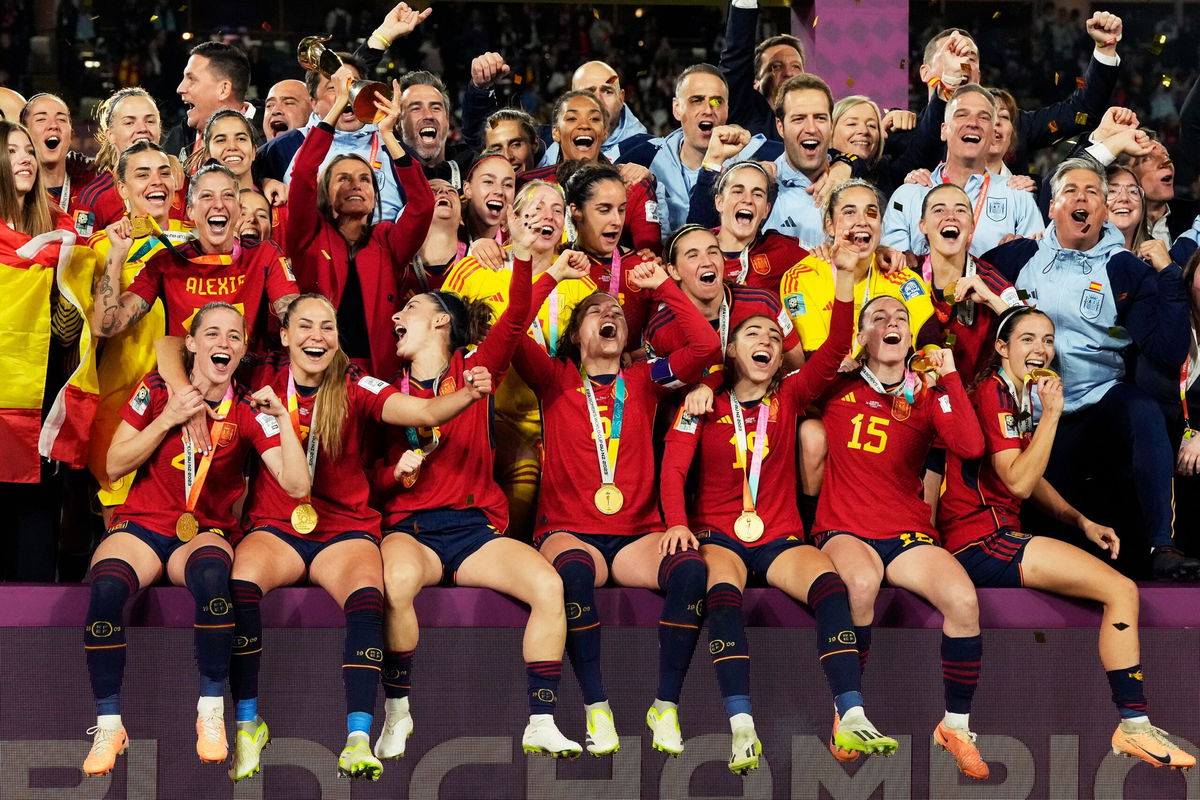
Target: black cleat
(1172, 564)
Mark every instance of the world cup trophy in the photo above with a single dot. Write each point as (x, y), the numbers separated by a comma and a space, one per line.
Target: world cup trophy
(313, 55)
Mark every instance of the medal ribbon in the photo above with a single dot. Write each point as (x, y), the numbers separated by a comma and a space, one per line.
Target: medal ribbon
(906, 389)
(606, 447)
(1024, 402)
(193, 476)
(752, 471)
(414, 441)
(614, 273)
(535, 329)
(293, 406)
(1183, 387)
(744, 258)
(723, 323)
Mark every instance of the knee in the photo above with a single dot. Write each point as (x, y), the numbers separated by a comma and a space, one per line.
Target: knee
(1121, 592)
(683, 571)
(576, 569)
(962, 608)
(113, 581)
(207, 572)
(401, 581)
(862, 589)
(546, 590)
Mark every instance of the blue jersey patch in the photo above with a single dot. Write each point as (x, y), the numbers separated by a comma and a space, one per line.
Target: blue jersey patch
(910, 289)
(795, 304)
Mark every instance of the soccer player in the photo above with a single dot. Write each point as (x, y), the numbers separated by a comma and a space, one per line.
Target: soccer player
(518, 420)
(598, 511)
(214, 267)
(978, 520)
(330, 536)
(442, 248)
(749, 530)
(177, 522)
(230, 140)
(64, 171)
(880, 422)
(443, 514)
(487, 196)
(337, 248)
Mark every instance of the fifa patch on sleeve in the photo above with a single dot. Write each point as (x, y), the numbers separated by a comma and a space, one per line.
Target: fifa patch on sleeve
(269, 425)
(85, 223)
(1012, 296)
(944, 402)
(911, 288)
(687, 423)
(372, 385)
(785, 323)
(141, 400)
(652, 212)
(287, 268)
(1009, 426)
(794, 305)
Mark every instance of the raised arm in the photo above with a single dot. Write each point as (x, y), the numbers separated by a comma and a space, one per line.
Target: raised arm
(418, 412)
(1022, 471)
(953, 416)
(817, 373)
(114, 311)
(703, 349)
(286, 461)
(405, 236)
(304, 221)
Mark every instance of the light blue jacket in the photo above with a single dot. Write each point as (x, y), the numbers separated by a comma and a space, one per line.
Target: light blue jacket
(794, 212)
(628, 126)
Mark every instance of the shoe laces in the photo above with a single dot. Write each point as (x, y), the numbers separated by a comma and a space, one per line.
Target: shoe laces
(962, 733)
(213, 725)
(104, 736)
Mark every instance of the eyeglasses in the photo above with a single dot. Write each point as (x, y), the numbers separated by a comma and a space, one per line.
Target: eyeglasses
(1127, 188)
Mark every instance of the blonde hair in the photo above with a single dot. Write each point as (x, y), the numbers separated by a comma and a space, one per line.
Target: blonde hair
(105, 112)
(334, 405)
(841, 107)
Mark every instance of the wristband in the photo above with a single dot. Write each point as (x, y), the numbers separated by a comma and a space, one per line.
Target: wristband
(711, 166)
(384, 41)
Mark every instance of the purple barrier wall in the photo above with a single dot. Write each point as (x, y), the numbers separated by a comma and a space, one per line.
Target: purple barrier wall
(1042, 710)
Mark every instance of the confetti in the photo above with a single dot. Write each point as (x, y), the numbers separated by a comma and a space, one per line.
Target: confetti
(1079, 83)
(850, 82)
(1081, 118)
(904, 63)
(1056, 77)
(1053, 126)
(996, 15)
(815, 21)
(1166, 81)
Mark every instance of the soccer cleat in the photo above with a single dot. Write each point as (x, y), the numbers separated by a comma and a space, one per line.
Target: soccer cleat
(247, 751)
(542, 737)
(107, 744)
(855, 734)
(357, 761)
(665, 727)
(1171, 564)
(961, 745)
(211, 744)
(602, 739)
(1150, 744)
(394, 739)
(840, 753)
(746, 750)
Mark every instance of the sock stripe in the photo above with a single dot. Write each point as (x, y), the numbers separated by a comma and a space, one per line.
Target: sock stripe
(726, 658)
(583, 627)
(837, 652)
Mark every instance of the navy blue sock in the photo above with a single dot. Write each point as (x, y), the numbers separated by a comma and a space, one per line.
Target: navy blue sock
(862, 637)
(247, 643)
(961, 658)
(836, 642)
(543, 679)
(397, 673)
(578, 573)
(682, 577)
(728, 646)
(207, 577)
(1127, 692)
(363, 652)
(113, 581)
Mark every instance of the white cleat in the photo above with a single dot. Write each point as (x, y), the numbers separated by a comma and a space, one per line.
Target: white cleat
(665, 727)
(542, 737)
(394, 739)
(746, 750)
(602, 739)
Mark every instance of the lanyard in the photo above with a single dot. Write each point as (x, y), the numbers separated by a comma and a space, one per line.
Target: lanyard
(1183, 387)
(906, 389)
(744, 258)
(193, 476)
(983, 192)
(614, 273)
(375, 162)
(966, 314)
(293, 405)
(752, 471)
(535, 329)
(606, 447)
(414, 441)
(1024, 402)
(723, 323)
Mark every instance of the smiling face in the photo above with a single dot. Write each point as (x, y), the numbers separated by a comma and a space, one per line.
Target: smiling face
(884, 332)
(1156, 172)
(807, 129)
(1002, 133)
(489, 192)
(778, 64)
(545, 210)
(255, 224)
(425, 123)
(507, 138)
(580, 129)
(698, 266)
(599, 222)
(1126, 204)
(744, 202)
(351, 189)
(1078, 210)
(287, 108)
(701, 104)
(48, 121)
(135, 119)
(230, 143)
(22, 159)
(1030, 346)
(969, 127)
(601, 80)
(947, 222)
(311, 335)
(447, 210)
(856, 214)
(215, 210)
(857, 131)
(602, 329)
(218, 345)
(203, 93)
(419, 325)
(149, 184)
(756, 349)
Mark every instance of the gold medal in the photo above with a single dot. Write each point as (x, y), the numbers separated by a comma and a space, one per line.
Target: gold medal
(749, 527)
(304, 518)
(140, 226)
(609, 499)
(1040, 372)
(920, 360)
(950, 293)
(186, 527)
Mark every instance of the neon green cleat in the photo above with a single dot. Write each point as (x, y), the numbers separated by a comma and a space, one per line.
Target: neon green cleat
(665, 727)
(247, 751)
(602, 739)
(746, 750)
(855, 733)
(357, 761)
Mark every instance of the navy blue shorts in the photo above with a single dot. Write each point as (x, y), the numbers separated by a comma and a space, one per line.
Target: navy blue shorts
(888, 549)
(757, 559)
(996, 559)
(454, 534)
(308, 549)
(609, 544)
(162, 545)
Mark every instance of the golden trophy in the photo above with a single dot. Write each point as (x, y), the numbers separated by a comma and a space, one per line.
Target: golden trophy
(314, 56)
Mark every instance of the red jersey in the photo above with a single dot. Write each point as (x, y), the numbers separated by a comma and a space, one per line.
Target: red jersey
(187, 284)
(340, 492)
(764, 262)
(664, 336)
(570, 467)
(459, 473)
(976, 502)
(972, 343)
(636, 303)
(719, 473)
(877, 449)
(100, 205)
(157, 498)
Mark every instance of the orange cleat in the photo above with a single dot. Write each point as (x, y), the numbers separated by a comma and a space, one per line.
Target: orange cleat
(840, 753)
(211, 744)
(961, 745)
(1150, 744)
(107, 744)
